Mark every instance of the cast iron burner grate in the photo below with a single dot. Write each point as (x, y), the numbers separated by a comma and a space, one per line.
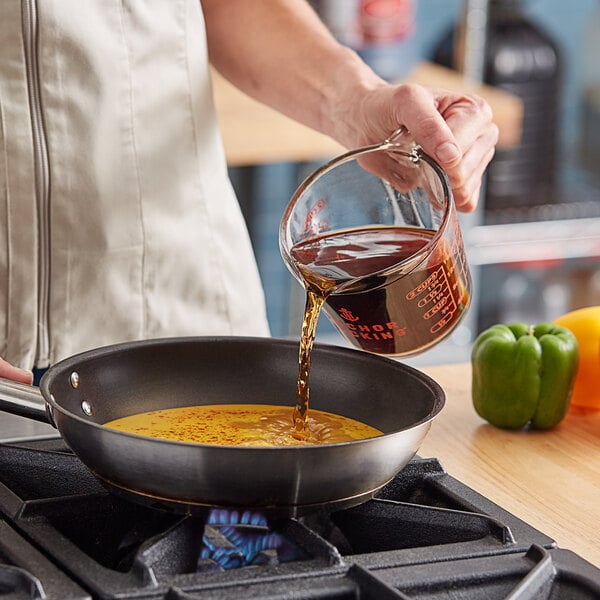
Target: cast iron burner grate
(424, 536)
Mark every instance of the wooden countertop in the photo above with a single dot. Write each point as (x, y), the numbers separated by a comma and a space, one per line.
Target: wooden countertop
(550, 480)
(254, 134)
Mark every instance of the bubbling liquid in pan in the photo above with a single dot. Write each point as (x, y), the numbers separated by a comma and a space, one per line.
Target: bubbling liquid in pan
(242, 425)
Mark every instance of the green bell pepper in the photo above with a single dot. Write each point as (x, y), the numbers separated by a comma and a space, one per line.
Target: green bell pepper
(524, 375)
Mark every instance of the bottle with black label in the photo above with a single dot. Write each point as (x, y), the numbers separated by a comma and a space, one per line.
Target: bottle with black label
(522, 59)
(590, 97)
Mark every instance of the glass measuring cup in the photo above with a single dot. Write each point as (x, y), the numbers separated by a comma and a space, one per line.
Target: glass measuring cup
(375, 232)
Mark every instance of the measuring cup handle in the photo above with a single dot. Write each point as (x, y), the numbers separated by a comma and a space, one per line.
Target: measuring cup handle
(399, 134)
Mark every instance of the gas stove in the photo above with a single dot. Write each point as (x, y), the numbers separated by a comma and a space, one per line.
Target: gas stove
(424, 536)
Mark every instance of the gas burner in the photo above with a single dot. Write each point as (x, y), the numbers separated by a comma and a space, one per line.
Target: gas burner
(234, 539)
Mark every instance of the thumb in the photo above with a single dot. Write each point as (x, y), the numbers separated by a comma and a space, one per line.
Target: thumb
(419, 113)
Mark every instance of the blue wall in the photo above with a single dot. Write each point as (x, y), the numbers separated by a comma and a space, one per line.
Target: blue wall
(563, 20)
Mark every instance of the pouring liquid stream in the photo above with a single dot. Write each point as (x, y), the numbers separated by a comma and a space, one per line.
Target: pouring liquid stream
(335, 264)
(314, 303)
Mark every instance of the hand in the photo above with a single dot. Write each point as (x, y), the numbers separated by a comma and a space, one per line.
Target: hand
(14, 373)
(455, 129)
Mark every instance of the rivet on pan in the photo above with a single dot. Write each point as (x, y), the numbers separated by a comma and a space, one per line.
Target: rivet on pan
(74, 379)
(86, 407)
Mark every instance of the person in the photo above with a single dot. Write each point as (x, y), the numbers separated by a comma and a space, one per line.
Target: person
(118, 218)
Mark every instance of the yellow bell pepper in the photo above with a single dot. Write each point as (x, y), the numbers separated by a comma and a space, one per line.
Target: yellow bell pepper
(584, 323)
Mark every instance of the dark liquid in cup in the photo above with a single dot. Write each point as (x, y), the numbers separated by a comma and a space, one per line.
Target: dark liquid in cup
(384, 306)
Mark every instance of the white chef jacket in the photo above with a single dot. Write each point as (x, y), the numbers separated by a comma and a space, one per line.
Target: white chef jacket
(117, 218)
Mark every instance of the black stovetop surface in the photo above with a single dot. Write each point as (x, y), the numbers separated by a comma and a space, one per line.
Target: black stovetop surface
(424, 536)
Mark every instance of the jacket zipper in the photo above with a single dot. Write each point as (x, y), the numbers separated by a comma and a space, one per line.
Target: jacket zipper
(42, 178)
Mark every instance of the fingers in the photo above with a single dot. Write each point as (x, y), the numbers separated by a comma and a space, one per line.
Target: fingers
(8, 371)
(466, 177)
(466, 115)
(455, 129)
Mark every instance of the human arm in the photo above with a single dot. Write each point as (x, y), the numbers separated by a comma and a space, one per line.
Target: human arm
(280, 53)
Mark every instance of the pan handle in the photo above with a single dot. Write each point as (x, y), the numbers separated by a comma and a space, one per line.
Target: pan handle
(23, 400)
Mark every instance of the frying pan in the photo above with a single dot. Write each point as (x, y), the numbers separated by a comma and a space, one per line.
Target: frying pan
(79, 394)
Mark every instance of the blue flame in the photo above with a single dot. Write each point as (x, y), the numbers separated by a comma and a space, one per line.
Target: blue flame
(222, 516)
(243, 539)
